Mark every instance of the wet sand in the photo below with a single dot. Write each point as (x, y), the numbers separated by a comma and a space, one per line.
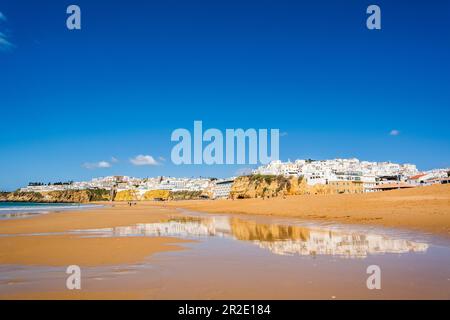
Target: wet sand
(240, 259)
(21, 246)
(120, 214)
(66, 250)
(223, 268)
(74, 295)
(425, 209)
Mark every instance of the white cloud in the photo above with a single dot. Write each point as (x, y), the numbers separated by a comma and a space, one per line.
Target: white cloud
(283, 134)
(5, 44)
(394, 132)
(104, 164)
(142, 160)
(96, 165)
(114, 160)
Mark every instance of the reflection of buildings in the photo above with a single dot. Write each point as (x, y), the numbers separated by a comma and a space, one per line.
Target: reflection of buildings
(180, 227)
(341, 244)
(279, 239)
(288, 240)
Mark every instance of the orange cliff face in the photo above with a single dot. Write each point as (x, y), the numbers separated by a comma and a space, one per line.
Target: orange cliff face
(134, 195)
(268, 186)
(421, 208)
(67, 196)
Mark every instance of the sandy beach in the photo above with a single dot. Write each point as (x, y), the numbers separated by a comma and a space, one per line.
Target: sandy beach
(34, 252)
(21, 247)
(425, 209)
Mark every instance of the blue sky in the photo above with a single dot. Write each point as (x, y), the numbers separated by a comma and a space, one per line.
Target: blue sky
(137, 70)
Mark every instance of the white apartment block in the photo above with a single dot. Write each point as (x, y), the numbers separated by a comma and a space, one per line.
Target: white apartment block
(121, 183)
(222, 188)
(323, 171)
(372, 174)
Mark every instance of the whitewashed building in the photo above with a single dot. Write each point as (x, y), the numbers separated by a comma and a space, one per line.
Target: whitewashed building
(222, 188)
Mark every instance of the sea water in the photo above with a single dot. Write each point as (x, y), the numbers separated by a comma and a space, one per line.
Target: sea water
(12, 210)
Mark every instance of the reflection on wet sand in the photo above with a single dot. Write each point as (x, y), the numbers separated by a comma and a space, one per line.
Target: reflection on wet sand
(14, 215)
(288, 240)
(278, 239)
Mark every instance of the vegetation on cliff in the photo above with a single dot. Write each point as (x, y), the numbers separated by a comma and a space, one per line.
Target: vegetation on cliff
(266, 186)
(186, 195)
(132, 195)
(99, 194)
(18, 196)
(281, 182)
(3, 195)
(83, 195)
(66, 196)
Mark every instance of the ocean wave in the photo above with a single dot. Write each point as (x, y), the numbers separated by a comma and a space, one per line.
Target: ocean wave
(48, 208)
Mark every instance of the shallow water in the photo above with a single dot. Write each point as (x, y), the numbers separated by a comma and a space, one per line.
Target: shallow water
(261, 258)
(15, 210)
(274, 236)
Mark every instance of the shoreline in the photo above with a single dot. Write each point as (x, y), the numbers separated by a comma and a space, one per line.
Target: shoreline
(55, 246)
(422, 209)
(425, 210)
(44, 243)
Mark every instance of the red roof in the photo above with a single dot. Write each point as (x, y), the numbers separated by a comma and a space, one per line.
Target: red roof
(417, 176)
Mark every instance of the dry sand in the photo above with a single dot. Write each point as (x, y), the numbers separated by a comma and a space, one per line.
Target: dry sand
(424, 209)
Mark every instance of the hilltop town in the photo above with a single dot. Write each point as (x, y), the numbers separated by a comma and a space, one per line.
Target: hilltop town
(277, 178)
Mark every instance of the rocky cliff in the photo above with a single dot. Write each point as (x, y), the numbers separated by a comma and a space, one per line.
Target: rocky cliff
(67, 196)
(268, 186)
(252, 186)
(133, 195)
